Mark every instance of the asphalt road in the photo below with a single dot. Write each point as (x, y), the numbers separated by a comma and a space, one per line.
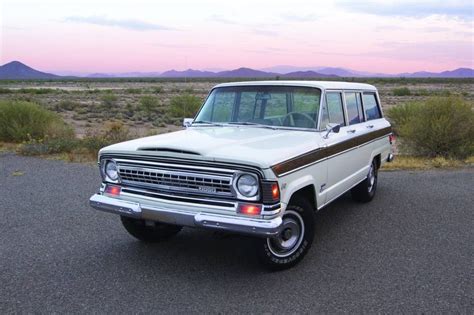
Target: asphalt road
(410, 250)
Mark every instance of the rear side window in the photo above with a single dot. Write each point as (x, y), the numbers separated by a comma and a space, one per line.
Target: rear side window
(333, 112)
(370, 106)
(354, 108)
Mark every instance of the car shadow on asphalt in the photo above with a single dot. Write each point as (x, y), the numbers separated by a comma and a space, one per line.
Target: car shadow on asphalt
(207, 251)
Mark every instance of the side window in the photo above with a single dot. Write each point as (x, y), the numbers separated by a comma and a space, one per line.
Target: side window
(354, 108)
(370, 106)
(333, 112)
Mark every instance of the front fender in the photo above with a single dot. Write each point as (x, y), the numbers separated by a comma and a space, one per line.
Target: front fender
(291, 184)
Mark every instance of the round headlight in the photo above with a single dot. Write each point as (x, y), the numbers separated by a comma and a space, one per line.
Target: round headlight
(247, 185)
(111, 170)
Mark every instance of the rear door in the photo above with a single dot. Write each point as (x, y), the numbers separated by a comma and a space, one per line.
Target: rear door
(375, 125)
(358, 128)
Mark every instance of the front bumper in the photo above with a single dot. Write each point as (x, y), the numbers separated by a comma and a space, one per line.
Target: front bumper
(241, 225)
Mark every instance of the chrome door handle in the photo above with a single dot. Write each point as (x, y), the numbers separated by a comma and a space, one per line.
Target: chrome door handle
(351, 131)
(370, 126)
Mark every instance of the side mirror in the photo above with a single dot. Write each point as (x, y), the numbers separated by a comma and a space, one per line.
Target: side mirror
(333, 128)
(187, 122)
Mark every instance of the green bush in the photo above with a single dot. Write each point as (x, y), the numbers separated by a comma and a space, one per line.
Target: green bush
(23, 121)
(109, 100)
(48, 146)
(157, 89)
(39, 91)
(114, 132)
(439, 126)
(5, 91)
(133, 91)
(67, 105)
(149, 103)
(185, 105)
(403, 91)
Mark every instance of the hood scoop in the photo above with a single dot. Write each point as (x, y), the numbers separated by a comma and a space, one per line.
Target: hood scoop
(168, 150)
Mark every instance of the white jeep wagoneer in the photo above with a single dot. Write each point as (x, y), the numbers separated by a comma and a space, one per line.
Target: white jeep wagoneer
(259, 158)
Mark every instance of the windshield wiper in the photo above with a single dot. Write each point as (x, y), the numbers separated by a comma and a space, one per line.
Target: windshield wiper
(247, 123)
(203, 122)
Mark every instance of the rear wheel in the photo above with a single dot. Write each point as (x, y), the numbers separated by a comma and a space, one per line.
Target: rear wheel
(286, 249)
(148, 231)
(365, 191)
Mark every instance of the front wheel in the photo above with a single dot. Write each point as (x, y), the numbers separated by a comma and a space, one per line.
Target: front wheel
(365, 191)
(286, 249)
(149, 232)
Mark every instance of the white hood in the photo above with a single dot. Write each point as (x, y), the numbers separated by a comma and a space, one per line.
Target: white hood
(251, 145)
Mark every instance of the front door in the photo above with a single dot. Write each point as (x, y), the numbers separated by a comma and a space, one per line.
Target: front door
(343, 159)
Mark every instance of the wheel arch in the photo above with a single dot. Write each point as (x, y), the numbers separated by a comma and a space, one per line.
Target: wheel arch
(308, 193)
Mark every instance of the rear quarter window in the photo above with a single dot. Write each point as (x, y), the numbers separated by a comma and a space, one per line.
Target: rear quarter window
(371, 107)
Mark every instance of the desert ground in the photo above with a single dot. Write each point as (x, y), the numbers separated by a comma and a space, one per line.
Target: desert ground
(143, 104)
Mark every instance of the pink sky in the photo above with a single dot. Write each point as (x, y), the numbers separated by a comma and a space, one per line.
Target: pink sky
(121, 36)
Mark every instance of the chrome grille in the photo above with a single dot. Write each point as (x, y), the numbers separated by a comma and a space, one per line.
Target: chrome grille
(179, 180)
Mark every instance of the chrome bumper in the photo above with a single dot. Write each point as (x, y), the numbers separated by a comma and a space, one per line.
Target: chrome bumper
(242, 225)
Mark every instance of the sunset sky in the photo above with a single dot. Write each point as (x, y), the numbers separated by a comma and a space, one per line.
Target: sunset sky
(121, 36)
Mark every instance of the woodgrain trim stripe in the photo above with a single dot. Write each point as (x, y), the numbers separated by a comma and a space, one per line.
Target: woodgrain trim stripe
(319, 154)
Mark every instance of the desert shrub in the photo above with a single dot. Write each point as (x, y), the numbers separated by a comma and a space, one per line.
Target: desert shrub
(23, 121)
(439, 126)
(149, 103)
(133, 91)
(421, 92)
(94, 91)
(403, 91)
(114, 132)
(5, 91)
(67, 105)
(39, 91)
(157, 89)
(185, 105)
(109, 99)
(48, 146)
(443, 92)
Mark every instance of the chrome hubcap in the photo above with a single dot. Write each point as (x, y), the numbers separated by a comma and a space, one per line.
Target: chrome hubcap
(290, 237)
(371, 178)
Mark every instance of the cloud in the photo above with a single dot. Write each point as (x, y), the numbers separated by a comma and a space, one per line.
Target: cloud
(220, 19)
(410, 8)
(130, 24)
(447, 50)
(299, 18)
(262, 32)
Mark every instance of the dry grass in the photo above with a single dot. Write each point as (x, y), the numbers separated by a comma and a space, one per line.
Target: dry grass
(8, 147)
(403, 162)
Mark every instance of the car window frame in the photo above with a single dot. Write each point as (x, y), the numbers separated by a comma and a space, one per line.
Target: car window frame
(344, 114)
(358, 93)
(377, 104)
(321, 99)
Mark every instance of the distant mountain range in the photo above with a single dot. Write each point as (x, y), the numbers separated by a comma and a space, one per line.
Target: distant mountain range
(16, 70)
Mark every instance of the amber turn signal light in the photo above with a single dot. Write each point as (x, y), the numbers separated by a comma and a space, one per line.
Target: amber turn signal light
(113, 190)
(249, 209)
(275, 192)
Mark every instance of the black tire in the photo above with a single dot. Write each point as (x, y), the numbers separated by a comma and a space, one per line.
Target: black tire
(365, 191)
(149, 233)
(273, 253)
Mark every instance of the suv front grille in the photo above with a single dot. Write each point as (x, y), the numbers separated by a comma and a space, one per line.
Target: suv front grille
(180, 180)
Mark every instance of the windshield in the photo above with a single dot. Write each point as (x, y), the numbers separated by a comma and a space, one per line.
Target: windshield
(284, 106)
